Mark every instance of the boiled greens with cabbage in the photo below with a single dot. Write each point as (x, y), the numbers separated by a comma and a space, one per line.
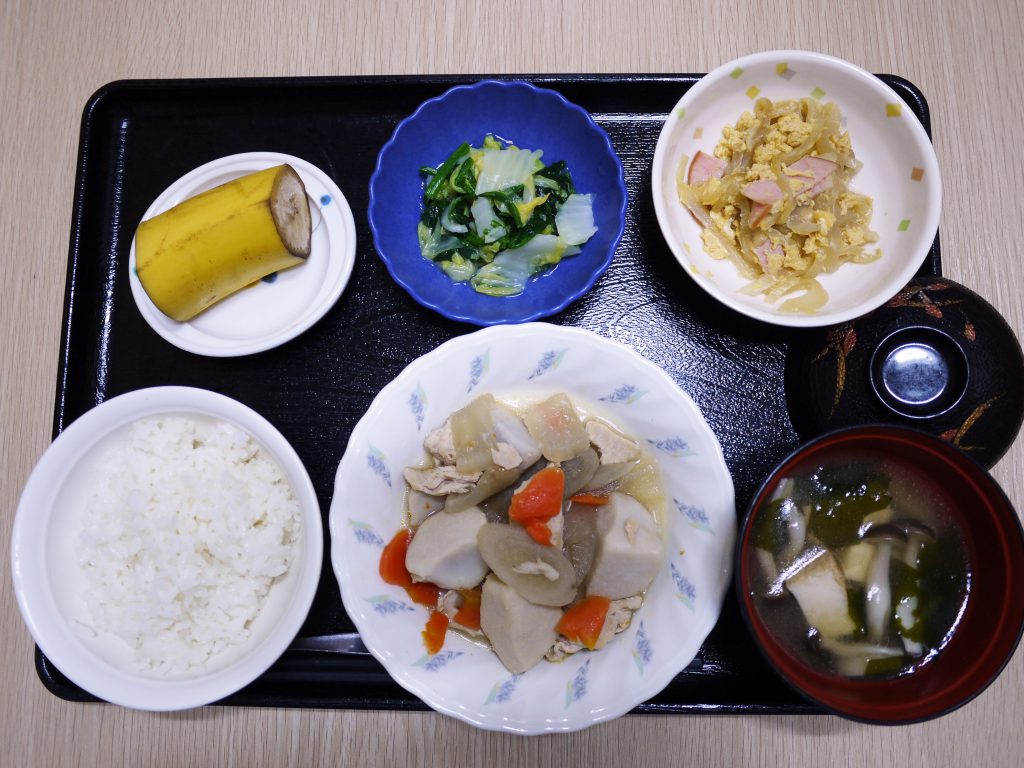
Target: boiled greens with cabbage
(497, 215)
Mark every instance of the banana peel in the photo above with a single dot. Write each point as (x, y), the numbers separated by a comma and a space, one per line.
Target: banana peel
(216, 243)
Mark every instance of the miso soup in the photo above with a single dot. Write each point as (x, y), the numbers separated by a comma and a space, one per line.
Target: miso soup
(858, 567)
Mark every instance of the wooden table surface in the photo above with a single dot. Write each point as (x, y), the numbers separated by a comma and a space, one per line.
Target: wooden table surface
(55, 53)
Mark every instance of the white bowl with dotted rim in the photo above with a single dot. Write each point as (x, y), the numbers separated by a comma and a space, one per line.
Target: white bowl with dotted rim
(900, 174)
(533, 361)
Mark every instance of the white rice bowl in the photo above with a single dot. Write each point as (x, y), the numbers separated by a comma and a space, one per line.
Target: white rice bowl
(144, 604)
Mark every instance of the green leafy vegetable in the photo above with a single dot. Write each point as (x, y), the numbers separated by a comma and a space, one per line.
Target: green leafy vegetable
(496, 215)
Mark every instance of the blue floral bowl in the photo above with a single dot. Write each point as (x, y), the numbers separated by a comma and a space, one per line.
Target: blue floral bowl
(530, 117)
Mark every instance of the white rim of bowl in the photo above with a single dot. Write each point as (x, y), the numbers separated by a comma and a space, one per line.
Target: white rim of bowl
(50, 629)
(337, 218)
(931, 161)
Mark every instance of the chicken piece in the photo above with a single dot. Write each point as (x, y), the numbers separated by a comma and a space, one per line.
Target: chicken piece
(519, 631)
(611, 446)
(444, 550)
(619, 616)
(423, 505)
(440, 444)
(506, 456)
(704, 167)
(536, 567)
(562, 649)
(440, 481)
(629, 549)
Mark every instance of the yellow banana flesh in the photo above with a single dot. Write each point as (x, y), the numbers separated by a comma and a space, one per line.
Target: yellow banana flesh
(216, 243)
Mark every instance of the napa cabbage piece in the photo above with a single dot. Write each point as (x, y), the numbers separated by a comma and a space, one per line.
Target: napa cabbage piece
(494, 216)
(575, 219)
(503, 168)
(508, 273)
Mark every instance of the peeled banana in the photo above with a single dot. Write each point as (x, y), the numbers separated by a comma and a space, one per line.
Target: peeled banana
(211, 245)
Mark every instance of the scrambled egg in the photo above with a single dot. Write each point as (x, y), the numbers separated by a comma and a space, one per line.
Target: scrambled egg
(795, 222)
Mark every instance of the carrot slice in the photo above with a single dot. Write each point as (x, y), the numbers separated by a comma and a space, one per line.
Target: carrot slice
(582, 622)
(539, 501)
(434, 632)
(591, 499)
(468, 614)
(392, 561)
(393, 571)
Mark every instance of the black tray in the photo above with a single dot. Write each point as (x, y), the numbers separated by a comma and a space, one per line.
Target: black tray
(139, 136)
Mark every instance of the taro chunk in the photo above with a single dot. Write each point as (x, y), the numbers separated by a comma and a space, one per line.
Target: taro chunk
(444, 550)
(519, 631)
(820, 589)
(629, 549)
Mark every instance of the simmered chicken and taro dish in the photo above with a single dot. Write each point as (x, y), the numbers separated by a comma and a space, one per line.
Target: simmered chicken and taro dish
(858, 567)
(534, 528)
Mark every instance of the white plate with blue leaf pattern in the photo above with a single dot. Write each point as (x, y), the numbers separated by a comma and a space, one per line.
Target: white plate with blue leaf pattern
(529, 361)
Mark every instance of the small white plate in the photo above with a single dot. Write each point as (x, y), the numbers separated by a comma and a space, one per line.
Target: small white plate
(266, 314)
(529, 361)
(48, 578)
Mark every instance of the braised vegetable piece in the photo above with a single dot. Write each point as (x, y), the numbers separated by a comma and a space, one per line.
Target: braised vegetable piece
(519, 631)
(629, 549)
(468, 614)
(537, 501)
(435, 631)
(473, 435)
(512, 536)
(491, 481)
(393, 571)
(556, 426)
(444, 550)
(580, 539)
(422, 505)
(579, 470)
(583, 621)
(541, 574)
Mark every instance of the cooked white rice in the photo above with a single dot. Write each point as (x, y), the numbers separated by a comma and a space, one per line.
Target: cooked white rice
(189, 526)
